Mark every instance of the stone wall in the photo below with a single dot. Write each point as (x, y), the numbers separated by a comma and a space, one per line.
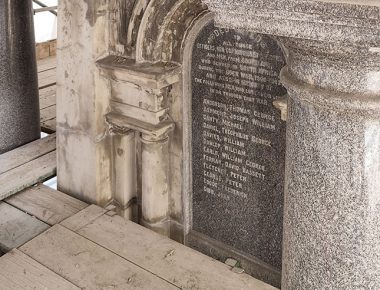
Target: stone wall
(84, 158)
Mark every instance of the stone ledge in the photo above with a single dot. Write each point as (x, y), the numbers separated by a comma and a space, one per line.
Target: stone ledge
(149, 75)
(119, 123)
(324, 21)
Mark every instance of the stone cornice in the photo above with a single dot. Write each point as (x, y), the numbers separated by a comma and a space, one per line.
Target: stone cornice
(343, 21)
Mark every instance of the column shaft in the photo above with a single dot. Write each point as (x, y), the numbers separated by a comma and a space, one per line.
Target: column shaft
(19, 103)
(125, 174)
(332, 190)
(155, 170)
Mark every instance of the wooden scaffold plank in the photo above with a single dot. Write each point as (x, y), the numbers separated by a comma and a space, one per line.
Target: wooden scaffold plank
(17, 227)
(28, 174)
(48, 205)
(88, 265)
(174, 262)
(18, 271)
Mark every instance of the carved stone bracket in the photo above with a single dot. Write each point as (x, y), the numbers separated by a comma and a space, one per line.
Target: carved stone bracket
(149, 75)
(119, 124)
(140, 103)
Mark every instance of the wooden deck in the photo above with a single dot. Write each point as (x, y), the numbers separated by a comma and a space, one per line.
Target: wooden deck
(49, 240)
(54, 241)
(47, 89)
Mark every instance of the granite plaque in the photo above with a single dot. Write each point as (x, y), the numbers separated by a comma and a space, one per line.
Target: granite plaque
(238, 141)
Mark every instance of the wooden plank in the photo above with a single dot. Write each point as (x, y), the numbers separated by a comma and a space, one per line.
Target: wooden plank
(47, 78)
(18, 271)
(26, 153)
(24, 176)
(17, 227)
(88, 265)
(49, 126)
(48, 205)
(83, 218)
(174, 262)
(42, 50)
(47, 97)
(48, 113)
(46, 63)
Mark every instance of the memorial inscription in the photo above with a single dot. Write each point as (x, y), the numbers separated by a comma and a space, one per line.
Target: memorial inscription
(238, 141)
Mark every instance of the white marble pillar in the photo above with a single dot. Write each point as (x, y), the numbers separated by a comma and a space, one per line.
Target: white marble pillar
(155, 183)
(125, 175)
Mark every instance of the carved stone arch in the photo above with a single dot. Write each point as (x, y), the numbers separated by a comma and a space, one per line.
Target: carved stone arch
(162, 30)
(137, 15)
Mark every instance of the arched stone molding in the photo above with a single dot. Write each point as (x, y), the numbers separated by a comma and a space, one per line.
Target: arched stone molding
(145, 70)
(163, 28)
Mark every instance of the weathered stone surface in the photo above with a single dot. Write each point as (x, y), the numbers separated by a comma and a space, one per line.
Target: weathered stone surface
(238, 141)
(331, 213)
(84, 155)
(19, 103)
(335, 21)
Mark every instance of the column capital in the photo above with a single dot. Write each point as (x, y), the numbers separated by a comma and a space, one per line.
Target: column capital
(154, 76)
(120, 124)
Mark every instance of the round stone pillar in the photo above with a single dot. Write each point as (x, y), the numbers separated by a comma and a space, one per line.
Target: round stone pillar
(332, 190)
(19, 103)
(155, 183)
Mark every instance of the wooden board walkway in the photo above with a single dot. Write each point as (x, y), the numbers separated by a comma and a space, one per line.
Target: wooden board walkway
(32, 211)
(87, 247)
(27, 165)
(18, 271)
(47, 90)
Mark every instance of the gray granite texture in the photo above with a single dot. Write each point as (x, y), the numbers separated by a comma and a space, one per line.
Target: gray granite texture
(332, 204)
(238, 142)
(19, 103)
(329, 20)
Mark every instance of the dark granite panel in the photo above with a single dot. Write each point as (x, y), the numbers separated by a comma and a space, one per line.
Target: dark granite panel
(19, 104)
(238, 141)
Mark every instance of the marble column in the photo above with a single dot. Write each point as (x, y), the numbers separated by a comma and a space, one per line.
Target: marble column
(155, 183)
(125, 188)
(19, 102)
(332, 191)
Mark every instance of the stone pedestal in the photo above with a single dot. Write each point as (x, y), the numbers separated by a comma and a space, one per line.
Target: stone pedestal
(19, 103)
(332, 204)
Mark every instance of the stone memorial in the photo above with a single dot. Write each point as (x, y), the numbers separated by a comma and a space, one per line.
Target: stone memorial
(238, 142)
